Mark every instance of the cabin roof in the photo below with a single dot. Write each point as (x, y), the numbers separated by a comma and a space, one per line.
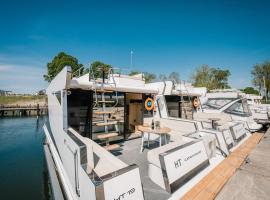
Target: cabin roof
(115, 82)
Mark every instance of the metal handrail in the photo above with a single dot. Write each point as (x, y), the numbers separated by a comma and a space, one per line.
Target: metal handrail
(114, 82)
(76, 160)
(77, 72)
(94, 87)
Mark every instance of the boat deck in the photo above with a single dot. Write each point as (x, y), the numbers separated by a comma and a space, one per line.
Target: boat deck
(207, 184)
(130, 154)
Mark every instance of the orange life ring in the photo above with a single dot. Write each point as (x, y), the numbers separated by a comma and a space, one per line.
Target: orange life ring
(196, 102)
(149, 104)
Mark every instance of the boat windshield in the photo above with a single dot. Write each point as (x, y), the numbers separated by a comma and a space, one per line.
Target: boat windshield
(216, 103)
(239, 108)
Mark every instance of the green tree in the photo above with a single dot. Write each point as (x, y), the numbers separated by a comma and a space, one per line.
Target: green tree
(148, 77)
(59, 62)
(202, 77)
(211, 78)
(250, 90)
(220, 78)
(163, 77)
(174, 76)
(97, 67)
(134, 72)
(260, 73)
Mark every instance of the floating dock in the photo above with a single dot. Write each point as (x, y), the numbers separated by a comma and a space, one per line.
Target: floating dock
(31, 110)
(211, 186)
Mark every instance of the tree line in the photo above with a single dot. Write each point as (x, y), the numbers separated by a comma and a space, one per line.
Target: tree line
(204, 76)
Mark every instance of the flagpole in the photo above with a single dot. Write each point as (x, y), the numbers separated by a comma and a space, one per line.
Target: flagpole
(131, 59)
(264, 88)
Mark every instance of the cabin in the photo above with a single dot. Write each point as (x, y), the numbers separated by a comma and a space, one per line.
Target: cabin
(108, 110)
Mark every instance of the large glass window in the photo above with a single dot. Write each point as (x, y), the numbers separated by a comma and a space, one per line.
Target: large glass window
(238, 108)
(179, 106)
(216, 103)
(173, 105)
(79, 111)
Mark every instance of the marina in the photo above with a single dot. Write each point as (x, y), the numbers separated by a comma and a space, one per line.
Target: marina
(162, 140)
(103, 138)
(134, 100)
(31, 134)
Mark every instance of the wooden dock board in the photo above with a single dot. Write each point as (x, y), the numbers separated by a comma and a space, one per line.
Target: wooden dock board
(212, 183)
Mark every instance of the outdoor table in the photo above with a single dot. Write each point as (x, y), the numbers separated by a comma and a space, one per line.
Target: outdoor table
(158, 131)
(214, 122)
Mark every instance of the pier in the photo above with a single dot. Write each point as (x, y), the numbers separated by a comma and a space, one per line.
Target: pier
(25, 110)
(244, 174)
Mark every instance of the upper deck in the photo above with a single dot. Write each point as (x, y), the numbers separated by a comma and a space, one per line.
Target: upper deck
(114, 82)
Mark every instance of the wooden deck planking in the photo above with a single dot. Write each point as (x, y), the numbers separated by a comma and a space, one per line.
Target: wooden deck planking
(211, 184)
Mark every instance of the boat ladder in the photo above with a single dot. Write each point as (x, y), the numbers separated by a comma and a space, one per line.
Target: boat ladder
(186, 106)
(101, 104)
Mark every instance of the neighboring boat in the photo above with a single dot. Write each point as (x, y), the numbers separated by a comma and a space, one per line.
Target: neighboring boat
(179, 104)
(260, 112)
(230, 105)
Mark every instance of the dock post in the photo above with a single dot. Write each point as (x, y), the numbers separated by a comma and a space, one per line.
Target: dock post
(38, 110)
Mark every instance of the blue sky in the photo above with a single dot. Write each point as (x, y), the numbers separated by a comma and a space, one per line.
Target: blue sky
(164, 35)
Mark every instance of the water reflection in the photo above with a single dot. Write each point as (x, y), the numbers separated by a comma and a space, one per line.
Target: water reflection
(23, 172)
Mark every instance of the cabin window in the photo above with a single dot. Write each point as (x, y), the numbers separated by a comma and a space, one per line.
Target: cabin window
(173, 103)
(80, 110)
(216, 103)
(238, 108)
(179, 106)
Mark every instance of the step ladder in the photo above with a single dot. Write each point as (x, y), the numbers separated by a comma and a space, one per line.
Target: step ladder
(102, 110)
(186, 106)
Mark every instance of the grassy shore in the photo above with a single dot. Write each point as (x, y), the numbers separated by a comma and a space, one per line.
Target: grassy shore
(23, 100)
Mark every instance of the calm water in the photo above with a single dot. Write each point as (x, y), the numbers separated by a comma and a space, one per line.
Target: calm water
(22, 163)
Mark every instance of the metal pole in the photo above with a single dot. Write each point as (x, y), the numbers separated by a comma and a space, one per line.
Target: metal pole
(131, 59)
(265, 88)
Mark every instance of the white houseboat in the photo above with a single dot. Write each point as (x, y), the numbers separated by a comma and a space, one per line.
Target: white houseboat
(101, 142)
(180, 105)
(233, 105)
(260, 112)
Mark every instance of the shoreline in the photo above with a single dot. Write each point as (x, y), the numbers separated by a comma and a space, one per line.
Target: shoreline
(16, 106)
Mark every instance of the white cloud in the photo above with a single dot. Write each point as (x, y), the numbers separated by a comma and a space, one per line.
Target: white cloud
(4, 68)
(22, 77)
